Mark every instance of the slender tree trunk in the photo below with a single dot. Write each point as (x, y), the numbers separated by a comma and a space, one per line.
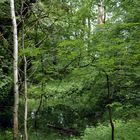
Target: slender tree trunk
(110, 110)
(25, 89)
(15, 72)
(111, 123)
(25, 81)
(101, 20)
(26, 99)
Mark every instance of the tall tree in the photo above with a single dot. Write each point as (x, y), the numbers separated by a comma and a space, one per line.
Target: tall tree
(25, 76)
(25, 87)
(25, 95)
(101, 20)
(15, 71)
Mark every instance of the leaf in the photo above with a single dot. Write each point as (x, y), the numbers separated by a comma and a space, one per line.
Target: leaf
(30, 52)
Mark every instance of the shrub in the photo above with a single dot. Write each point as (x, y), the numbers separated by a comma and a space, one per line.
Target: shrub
(123, 131)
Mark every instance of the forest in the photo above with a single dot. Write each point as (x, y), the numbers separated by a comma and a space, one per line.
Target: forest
(69, 70)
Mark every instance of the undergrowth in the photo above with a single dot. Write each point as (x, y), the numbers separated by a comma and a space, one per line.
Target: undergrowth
(123, 131)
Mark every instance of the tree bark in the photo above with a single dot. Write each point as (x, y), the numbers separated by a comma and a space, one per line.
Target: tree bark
(15, 72)
(26, 99)
(109, 109)
(25, 79)
(111, 123)
(101, 13)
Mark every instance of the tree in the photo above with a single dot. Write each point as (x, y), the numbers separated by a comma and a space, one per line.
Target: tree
(101, 20)
(78, 68)
(25, 84)
(15, 72)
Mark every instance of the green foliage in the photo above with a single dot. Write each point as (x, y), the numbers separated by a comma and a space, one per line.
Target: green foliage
(30, 52)
(123, 131)
(2, 1)
(6, 135)
(68, 57)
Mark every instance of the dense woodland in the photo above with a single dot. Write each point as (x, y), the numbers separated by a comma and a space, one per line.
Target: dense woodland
(72, 72)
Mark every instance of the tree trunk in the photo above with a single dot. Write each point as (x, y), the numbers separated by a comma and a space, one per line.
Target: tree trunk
(101, 13)
(25, 89)
(101, 20)
(25, 79)
(109, 109)
(26, 99)
(15, 72)
(111, 123)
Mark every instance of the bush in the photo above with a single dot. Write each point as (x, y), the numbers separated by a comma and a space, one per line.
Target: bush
(6, 135)
(123, 131)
